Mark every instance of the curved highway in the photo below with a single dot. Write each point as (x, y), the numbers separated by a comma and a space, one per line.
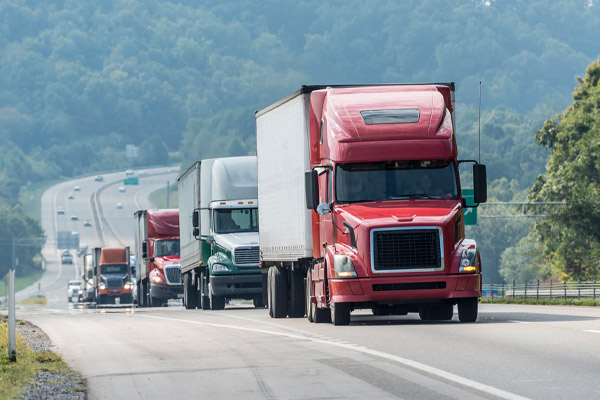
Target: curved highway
(512, 352)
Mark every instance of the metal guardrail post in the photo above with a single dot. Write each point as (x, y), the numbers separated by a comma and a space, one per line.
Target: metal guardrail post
(525, 293)
(502, 289)
(492, 289)
(514, 288)
(579, 289)
(594, 289)
(537, 292)
(565, 288)
(550, 288)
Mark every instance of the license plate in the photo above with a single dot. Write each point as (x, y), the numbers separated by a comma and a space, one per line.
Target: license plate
(180, 295)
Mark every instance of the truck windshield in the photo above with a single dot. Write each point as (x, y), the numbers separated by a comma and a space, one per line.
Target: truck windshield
(166, 247)
(396, 180)
(114, 269)
(228, 220)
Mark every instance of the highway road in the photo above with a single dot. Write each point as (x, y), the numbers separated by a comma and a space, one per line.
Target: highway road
(512, 352)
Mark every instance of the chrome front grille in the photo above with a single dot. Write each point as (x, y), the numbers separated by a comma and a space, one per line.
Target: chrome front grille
(407, 249)
(246, 256)
(173, 274)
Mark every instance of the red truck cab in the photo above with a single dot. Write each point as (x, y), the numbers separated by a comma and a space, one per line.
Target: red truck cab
(388, 222)
(112, 275)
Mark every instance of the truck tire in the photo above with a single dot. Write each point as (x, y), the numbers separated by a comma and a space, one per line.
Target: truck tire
(297, 296)
(155, 301)
(127, 299)
(440, 312)
(467, 309)
(270, 291)
(140, 295)
(308, 292)
(216, 302)
(190, 297)
(340, 313)
(279, 295)
(258, 301)
(204, 299)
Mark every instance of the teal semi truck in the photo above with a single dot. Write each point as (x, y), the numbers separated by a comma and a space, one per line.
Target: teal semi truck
(218, 222)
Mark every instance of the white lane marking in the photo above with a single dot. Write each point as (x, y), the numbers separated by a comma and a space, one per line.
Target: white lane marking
(591, 331)
(404, 361)
(519, 322)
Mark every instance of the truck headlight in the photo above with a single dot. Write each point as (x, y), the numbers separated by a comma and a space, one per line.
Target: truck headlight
(102, 285)
(127, 286)
(342, 264)
(468, 261)
(216, 267)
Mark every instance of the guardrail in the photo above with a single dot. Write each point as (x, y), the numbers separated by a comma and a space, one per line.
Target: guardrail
(543, 290)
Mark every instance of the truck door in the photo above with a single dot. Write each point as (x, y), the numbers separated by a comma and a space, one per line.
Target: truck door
(325, 196)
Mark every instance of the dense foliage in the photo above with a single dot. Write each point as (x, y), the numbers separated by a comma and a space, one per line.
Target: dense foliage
(181, 79)
(571, 234)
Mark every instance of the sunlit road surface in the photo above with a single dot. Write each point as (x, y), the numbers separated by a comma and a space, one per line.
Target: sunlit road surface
(512, 352)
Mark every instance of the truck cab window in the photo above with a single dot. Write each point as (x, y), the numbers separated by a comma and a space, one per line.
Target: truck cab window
(228, 220)
(396, 180)
(166, 247)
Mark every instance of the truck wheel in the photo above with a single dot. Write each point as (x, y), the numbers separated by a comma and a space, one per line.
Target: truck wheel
(190, 297)
(297, 297)
(270, 291)
(258, 301)
(127, 299)
(216, 302)
(155, 301)
(279, 295)
(340, 313)
(308, 292)
(441, 312)
(140, 295)
(204, 299)
(467, 309)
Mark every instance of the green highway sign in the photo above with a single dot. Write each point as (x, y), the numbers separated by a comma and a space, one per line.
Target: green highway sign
(470, 213)
(131, 181)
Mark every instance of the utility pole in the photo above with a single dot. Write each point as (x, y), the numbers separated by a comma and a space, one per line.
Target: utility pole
(168, 193)
(12, 343)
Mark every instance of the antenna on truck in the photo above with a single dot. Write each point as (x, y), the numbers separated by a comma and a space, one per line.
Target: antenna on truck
(479, 118)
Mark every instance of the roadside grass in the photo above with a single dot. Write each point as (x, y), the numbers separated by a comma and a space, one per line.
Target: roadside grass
(21, 282)
(34, 300)
(30, 197)
(159, 197)
(545, 302)
(15, 374)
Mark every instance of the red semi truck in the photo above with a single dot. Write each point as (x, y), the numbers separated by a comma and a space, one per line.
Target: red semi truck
(112, 275)
(158, 274)
(361, 205)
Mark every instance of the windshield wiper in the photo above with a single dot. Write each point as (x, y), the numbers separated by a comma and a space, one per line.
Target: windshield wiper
(415, 196)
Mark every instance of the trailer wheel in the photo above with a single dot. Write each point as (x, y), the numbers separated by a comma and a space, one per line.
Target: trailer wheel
(308, 292)
(269, 291)
(467, 309)
(279, 295)
(204, 299)
(340, 313)
(190, 298)
(297, 296)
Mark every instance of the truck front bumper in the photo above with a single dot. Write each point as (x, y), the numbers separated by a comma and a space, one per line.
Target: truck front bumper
(166, 291)
(410, 289)
(236, 286)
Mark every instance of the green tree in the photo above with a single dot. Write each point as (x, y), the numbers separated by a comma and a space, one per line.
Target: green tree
(571, 234)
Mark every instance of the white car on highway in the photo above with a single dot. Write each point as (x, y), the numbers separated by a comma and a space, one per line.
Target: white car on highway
(74, 291)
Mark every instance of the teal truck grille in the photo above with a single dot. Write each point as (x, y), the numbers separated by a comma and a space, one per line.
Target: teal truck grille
(246, 256)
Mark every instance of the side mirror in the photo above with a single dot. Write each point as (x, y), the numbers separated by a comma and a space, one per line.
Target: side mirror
(323, 209)
(195, 220)
(144, 249)
(196, 232)
(311, 189)
(210, 240)
(480, 183)
(151, 259)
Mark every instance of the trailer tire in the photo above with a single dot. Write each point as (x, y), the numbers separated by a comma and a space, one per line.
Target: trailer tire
(190, 297)
(279, 295)
(340, 313)
(467, 309)
(204, 299)
(297, 297)
(308, 293)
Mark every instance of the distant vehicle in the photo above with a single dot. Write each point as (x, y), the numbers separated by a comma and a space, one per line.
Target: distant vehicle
(82, 249)
(87, 223)
(60, 210)
(74, 217)
(112, 275)
(77, 188)
(142, 173)
(121, 189)
(74, 290)
(98, 178)
(66, 252)
(129, 172)
(66, 259)
(119, 206)
(70, 196)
